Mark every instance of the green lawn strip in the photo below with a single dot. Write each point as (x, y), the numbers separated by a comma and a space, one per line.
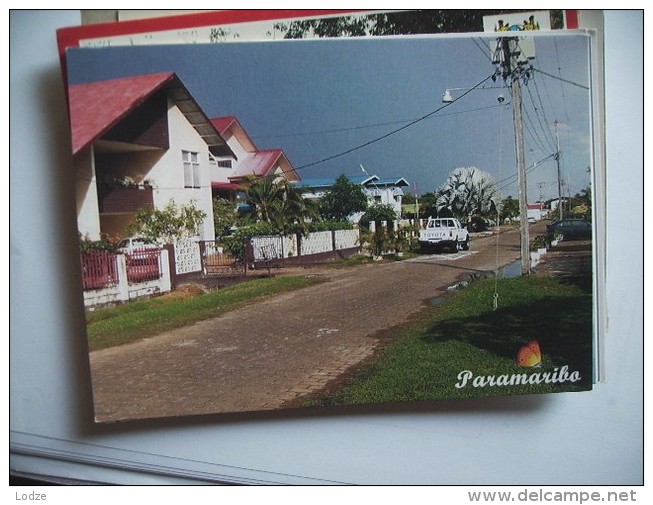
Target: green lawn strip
(466, 334)
(142, 319)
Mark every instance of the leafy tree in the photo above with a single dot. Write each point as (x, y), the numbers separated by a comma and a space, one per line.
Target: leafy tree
(469, 191)
(408, 199)
(222, 34)
(342, 200)
(236, 243)
(583, 203)
(105, 243)
(168, 224)
(398, 23)
(378, 213)
(428, 205)
(509, 208)
(225, 216)
(383, 238)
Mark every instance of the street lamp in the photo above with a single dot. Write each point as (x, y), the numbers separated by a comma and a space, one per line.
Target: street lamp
(448, 98)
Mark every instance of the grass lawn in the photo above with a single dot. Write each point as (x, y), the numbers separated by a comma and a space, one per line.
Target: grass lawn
(141, 319)
(425, 360)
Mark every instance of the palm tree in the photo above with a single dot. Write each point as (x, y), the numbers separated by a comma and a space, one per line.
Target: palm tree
(262, 193)
(276, 201)
(467, 192)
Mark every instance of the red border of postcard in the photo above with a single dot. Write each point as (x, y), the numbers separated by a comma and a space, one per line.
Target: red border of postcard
(71, 36)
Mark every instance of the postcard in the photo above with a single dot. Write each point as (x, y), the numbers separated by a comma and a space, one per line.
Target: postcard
(316, 223)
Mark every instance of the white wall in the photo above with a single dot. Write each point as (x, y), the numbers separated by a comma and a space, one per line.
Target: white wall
(86, 198)
(387, 197)
(584, 438)
(168, 174)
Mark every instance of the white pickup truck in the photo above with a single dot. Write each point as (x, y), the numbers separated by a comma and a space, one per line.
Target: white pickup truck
(444, 232)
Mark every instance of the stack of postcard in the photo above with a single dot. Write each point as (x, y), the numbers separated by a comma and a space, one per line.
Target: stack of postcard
(309, 209)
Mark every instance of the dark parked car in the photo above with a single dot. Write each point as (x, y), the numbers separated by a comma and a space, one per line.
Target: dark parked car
(571, 229)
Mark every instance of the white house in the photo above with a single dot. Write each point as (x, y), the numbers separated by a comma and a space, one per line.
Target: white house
(140, 141)
(536, 211)
(386, 191)
(243, 158)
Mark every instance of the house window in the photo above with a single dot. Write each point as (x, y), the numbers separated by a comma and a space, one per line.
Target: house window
(191, 169)
(224, 163)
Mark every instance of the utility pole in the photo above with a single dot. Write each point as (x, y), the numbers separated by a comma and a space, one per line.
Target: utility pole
(512, 69)
(557, 158)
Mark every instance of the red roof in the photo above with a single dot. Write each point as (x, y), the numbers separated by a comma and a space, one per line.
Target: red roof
(96, 107)
(222, 124)
(259, 163)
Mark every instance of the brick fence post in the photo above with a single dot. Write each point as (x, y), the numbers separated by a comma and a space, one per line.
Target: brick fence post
(172, 264)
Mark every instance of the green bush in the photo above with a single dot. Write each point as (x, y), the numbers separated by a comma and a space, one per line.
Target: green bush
(106, 243)
(235, 243)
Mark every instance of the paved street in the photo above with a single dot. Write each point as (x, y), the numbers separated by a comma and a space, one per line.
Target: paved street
(264, 355)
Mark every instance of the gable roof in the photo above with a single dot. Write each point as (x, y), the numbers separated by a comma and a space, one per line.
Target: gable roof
(259, 163)
(231, 123)
(391, 181)
(222, 124)
(97, 107)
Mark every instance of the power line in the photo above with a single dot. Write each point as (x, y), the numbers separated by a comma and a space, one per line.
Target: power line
(534, 135)
(542, 108)
(397, 130)
(562, 89)
(372, 125)
(487, 51)
(538, 114)
(511, 178)
(560, 78)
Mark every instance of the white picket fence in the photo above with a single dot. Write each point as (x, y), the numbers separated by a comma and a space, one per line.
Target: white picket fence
(272, 247)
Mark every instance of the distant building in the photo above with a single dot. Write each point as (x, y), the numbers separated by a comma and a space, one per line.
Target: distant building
(242, 158)
(537, 211)
(386, 191)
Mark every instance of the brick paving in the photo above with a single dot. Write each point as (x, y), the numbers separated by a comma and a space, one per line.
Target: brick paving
(265, 355)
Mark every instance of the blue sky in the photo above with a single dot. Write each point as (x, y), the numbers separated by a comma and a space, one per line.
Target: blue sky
(318, 99)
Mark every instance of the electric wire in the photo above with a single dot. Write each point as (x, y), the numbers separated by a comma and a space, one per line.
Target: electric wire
(562, 89)
(372, 125)
(393, 132)
(543, 110)
(511, 179)
(486, 52)
(546, 133)
(560, 78)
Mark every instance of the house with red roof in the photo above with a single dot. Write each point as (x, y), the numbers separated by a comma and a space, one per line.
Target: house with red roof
(536, 211)
(140, 141)
(244, 159)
